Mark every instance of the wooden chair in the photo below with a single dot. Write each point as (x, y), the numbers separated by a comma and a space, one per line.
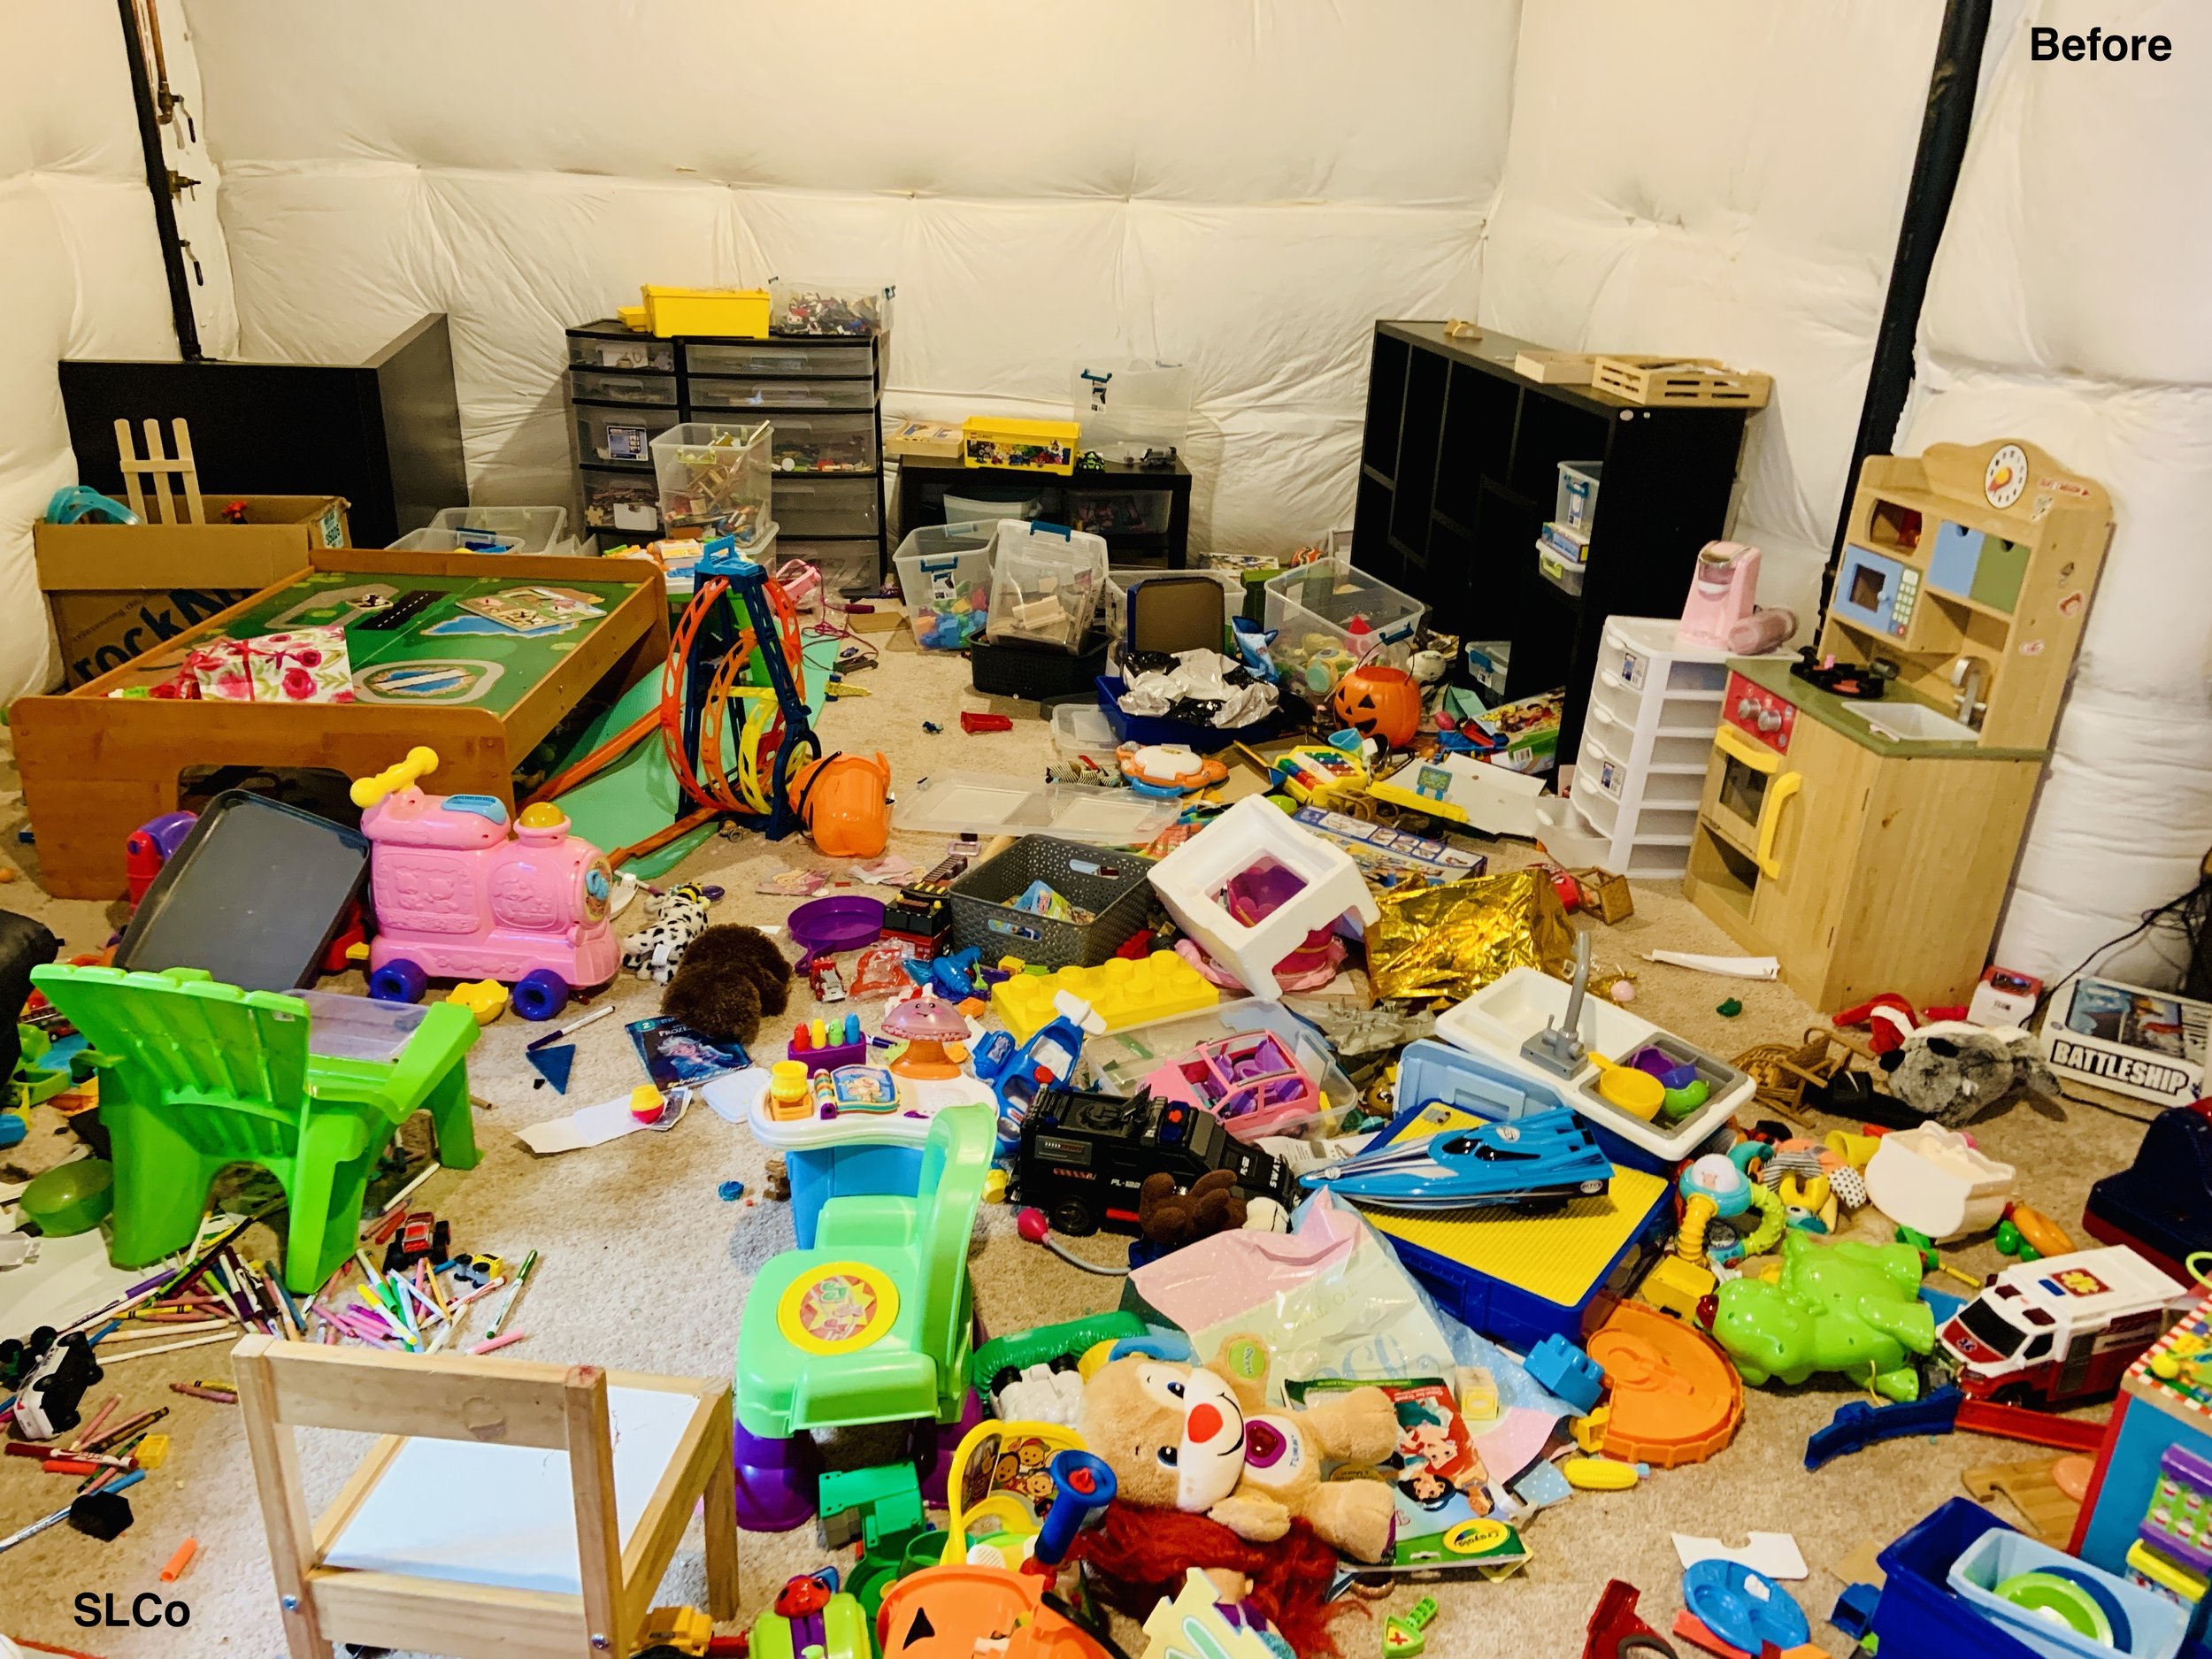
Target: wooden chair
(449, 1538)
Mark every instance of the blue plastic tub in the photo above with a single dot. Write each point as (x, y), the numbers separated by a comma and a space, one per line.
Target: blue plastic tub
(1151, 728)
(1433, 1070)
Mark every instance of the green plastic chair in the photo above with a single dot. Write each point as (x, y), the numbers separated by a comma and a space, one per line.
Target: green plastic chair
(874, 1324)
(196, 1076)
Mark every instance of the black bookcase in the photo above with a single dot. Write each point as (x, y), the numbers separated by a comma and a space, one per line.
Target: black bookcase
(1142, 513)
(1459, 471)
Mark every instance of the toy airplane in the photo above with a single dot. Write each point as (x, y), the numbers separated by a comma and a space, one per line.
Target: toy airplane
(1544, 1156)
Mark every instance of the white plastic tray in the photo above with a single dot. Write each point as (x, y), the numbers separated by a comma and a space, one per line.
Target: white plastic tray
(986, 803)
(1497, 1019)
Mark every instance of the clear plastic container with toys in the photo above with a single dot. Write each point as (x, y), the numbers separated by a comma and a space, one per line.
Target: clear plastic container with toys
(945, 582)
(1046, 580)
(1328, 619)
(825, 308)
(714, 479)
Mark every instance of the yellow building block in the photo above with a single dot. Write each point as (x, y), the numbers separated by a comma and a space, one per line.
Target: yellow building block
(1677, 1286)
(1120, 991)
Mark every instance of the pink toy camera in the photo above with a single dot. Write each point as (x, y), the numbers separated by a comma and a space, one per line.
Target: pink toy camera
(460, 896)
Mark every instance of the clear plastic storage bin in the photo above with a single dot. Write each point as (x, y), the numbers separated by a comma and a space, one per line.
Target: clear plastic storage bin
(1045, 583)
(1129, 406)
(944, 573)
(1329, 618)
(629, 503)
(847, 567)
(811, 505)
(984, 505)
(777, 359)
(1120, 513)
(1578, 503)
(530, 529)
(619, 437)
(825, 308)
(596, 385)
(1556, 571)
(823, 443)
(732, 394)
(714, 479)
(428, 540)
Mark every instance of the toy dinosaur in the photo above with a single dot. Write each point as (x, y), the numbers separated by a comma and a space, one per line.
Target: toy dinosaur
(1842, 1307)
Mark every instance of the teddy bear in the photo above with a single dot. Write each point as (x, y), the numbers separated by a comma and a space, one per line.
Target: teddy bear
(1201, 1439)
(1171, 1219)
(729, 977)
(1954, 1071)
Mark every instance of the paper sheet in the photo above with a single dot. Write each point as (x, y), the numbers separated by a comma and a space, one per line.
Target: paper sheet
(586, 1126)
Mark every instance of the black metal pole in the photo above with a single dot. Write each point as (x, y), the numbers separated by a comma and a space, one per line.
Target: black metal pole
(1935, 176)
(158, 185)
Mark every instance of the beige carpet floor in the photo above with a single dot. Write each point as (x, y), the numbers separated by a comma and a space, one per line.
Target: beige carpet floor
(644, 1267)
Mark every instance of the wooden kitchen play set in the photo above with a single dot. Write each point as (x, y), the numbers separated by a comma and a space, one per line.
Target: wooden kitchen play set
(1864, 805)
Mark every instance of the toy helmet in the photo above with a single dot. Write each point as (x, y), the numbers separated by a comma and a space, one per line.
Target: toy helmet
(1379, 701)
(845, 801)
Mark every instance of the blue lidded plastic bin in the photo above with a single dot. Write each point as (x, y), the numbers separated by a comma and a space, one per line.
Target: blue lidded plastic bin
(2144, 1625)
(1152, 728)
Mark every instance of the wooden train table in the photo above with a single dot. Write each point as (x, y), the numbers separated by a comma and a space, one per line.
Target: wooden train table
(478, 655)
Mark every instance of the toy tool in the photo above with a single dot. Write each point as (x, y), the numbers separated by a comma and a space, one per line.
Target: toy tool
(1547, 1155)
(1556, 1047)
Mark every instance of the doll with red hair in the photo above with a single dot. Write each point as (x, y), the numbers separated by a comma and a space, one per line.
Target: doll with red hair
(1135, 1557)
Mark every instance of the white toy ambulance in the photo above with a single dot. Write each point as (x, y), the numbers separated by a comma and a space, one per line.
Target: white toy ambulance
(2062, 1328)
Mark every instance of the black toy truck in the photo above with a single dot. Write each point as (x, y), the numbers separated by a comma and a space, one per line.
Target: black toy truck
(1082, 1157)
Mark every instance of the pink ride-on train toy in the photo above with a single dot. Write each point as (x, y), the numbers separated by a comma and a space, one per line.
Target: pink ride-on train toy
(460, 896)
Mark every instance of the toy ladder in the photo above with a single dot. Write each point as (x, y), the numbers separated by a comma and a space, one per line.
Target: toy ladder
(156, 469)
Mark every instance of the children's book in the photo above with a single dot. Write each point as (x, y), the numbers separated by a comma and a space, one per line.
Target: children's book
(677, 1056)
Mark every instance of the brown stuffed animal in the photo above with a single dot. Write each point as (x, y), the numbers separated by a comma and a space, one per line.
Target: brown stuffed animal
(1201, 1439)
(1171, 1219)
(730, 976)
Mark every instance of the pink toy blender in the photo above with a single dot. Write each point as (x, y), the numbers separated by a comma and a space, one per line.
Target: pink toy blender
(1723, 593)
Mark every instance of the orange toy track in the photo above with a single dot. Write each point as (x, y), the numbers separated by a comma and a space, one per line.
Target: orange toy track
(1675, 1397)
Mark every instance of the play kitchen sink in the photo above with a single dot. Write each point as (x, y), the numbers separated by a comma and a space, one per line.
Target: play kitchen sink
(1498, 1021)
(1913, 723)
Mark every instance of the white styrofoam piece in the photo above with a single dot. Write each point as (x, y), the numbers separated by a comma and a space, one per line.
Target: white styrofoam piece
(1935, 1181)
(1774, 1554)
(505, 1516)
(1191, 880)
(1498, 1018)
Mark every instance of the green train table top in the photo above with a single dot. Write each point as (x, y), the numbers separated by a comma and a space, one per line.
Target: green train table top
(483, 641)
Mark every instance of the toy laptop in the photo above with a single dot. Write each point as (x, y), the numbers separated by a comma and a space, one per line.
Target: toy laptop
(2128, 1038)
(1516, 1278)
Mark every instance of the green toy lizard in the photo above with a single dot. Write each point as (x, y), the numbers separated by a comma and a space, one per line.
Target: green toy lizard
(1843, 1306)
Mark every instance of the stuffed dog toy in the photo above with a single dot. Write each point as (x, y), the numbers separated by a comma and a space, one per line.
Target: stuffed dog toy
(1199, 1440)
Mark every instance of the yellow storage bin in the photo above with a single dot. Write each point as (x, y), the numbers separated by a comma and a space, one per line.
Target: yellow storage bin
(1024, 446)
(634, 316)
(740, 312)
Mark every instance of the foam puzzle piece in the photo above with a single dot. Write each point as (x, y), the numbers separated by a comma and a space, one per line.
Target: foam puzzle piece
(1774, 1554)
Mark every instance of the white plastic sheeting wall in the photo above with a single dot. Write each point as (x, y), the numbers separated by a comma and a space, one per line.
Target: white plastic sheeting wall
(84, 274)
(1722, 179)
(1243, 189)
(2067, 306)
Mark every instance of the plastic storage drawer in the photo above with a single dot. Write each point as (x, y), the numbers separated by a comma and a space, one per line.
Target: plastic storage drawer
(823, 443)
(619, 436)
(629, 503)
(1121, 511)
(1576, 506)
(827, 507)
(1642, 652)
(778, 359)
(602, 386)
(1113, 887)
(727, 393)
(617, 347)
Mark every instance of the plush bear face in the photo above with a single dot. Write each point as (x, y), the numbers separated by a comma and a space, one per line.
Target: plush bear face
(1174, 1437)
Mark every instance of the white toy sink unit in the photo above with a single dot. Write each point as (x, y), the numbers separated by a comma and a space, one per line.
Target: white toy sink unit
(1498, 1019)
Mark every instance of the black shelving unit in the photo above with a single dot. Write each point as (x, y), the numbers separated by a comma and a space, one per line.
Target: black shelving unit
(822, 396)
(1143, 512)
(1459, 471)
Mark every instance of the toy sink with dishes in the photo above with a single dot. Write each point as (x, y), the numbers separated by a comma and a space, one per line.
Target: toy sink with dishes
(1498, 1021)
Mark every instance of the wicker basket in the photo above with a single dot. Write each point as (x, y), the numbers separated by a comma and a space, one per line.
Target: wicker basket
(1111, 886)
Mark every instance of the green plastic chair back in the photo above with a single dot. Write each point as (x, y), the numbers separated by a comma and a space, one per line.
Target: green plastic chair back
(196, 1076)
(956, 1160)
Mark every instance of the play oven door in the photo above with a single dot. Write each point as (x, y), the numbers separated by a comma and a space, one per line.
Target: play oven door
(1749, 794)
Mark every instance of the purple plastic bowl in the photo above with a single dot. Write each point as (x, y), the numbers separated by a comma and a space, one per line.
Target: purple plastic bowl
(825, 927)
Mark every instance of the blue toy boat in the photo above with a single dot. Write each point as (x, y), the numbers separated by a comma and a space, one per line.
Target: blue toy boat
(1545, 1156)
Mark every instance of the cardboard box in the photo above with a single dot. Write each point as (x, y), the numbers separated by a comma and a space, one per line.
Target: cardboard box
(2128, 1038)
(923, 437)
(116, 590)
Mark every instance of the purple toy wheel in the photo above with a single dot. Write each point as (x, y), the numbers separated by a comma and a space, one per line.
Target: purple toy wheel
(539, 993)
(777, 1480)
(825, 927)
(398, 980)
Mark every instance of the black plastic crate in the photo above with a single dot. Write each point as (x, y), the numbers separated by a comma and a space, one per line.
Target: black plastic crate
(1111, 886)
(1013, 668)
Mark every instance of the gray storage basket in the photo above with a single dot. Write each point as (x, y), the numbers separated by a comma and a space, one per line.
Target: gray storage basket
(983, 917)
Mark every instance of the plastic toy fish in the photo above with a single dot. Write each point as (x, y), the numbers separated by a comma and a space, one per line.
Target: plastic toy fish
(1544, 1156)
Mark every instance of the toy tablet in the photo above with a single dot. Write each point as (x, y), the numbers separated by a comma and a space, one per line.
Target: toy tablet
(254, 896)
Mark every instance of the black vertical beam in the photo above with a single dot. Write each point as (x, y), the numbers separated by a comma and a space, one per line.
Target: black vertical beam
(1935, 176)
(188, 326)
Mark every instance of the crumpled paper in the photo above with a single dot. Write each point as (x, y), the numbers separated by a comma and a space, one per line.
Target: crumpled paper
(1199, 676)
(1451, 940)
